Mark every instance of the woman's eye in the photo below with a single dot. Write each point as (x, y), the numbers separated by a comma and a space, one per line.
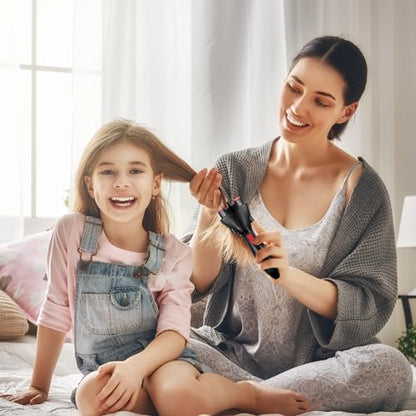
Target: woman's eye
(321, 103)
(292, 88)
(135, 171)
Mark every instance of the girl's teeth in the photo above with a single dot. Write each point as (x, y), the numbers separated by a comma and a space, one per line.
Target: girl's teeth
(122, 198)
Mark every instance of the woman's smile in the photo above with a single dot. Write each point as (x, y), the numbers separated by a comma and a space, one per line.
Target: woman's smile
(294, 122)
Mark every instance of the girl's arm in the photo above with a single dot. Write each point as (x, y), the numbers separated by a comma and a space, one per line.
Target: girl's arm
(48, 348)
(126, 377)
(164, 348)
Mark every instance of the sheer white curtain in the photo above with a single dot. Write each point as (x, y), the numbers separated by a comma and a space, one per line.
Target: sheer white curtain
(87, 101)
(147, 76)
(11, 99)
(206, 74)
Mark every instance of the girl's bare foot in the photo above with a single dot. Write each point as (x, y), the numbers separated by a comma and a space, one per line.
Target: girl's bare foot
(272, 400)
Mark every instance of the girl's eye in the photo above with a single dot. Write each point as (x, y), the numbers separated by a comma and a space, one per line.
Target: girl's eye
(135, 171)
(107, 172)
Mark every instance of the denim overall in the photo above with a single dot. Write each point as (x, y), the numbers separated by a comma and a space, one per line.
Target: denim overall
(115, 313)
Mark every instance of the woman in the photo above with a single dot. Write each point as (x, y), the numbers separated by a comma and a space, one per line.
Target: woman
(329, 231)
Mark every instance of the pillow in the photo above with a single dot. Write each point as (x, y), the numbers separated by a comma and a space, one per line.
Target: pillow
(23, 272)
(13, 323)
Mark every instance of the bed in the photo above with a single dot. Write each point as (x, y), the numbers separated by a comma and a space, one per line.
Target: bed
(22, 289)
(16, 358)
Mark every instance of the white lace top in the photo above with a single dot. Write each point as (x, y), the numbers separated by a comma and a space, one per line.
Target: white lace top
(265, 318)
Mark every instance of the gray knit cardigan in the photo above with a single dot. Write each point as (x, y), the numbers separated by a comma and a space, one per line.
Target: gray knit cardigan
(361, 261)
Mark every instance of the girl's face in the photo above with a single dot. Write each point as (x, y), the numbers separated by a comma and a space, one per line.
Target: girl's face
(312, 101)
(123, 183)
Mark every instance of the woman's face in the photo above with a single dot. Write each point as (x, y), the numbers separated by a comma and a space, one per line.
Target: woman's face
(312, 101)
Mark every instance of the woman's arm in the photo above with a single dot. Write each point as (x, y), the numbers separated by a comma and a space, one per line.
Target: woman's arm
(206, 255)
(316, 294)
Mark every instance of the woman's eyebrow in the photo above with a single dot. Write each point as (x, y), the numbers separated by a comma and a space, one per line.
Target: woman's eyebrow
(326, 94)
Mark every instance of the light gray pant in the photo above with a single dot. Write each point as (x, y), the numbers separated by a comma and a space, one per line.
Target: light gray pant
(363, 379)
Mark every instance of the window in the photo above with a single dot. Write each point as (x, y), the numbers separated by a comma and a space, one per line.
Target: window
(50, 78)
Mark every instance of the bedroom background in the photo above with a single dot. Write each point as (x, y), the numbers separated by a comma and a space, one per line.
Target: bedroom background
(204, 75)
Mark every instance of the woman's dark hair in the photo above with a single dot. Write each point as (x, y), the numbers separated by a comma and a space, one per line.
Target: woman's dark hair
(347, 59)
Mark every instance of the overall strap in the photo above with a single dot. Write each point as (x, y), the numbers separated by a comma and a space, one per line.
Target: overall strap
(90, 234)
(155, 253)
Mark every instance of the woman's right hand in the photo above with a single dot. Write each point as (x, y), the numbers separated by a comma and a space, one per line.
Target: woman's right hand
(204, 187)
(31, 396)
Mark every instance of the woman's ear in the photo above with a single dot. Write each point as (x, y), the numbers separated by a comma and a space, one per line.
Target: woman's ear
(157, 183)
(348, 112)
(90, 188)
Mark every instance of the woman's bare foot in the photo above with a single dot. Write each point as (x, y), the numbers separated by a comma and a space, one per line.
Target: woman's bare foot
(272, 400)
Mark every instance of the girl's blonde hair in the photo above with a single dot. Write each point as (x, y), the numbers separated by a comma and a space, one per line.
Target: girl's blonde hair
(162, 160)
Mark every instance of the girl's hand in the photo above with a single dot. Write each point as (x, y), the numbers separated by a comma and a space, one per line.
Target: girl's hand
(31, 396)
(122, 389)
(204, 187)
(274, 249)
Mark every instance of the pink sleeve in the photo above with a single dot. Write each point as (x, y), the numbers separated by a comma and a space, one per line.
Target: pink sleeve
(55, 312)
(174, 299)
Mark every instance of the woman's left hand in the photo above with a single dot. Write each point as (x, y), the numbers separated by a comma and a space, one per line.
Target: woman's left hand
(122, 389)
(273, 255)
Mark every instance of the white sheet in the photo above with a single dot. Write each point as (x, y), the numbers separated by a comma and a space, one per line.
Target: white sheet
(16, 360)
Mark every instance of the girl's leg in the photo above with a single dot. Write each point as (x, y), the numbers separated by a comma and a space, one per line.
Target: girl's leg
(177, 388)
(363, 379)
(89, 388)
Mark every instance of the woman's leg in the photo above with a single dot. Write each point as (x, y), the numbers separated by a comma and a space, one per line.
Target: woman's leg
(177, 388)
(89, 388)
(362, 379)
(219, 363)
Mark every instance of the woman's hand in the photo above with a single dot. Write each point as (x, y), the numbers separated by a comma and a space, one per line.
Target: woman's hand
(316, 294)
(122, 389)
(31, 396)
(274, 249)
(204, 187)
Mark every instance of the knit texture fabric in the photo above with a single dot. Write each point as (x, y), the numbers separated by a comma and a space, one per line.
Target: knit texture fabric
(13, 323)
(361, 262)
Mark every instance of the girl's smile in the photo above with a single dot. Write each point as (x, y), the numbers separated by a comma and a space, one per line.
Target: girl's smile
(122, 201)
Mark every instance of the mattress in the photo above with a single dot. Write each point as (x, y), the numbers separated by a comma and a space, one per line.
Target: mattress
(16, 358)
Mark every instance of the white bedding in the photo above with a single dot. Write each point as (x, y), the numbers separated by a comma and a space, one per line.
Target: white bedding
(16, 360)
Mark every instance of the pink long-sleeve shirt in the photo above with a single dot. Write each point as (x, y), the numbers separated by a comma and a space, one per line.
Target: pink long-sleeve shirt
(171, 287)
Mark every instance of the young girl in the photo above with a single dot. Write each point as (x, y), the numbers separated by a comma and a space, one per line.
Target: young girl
(122, 284)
